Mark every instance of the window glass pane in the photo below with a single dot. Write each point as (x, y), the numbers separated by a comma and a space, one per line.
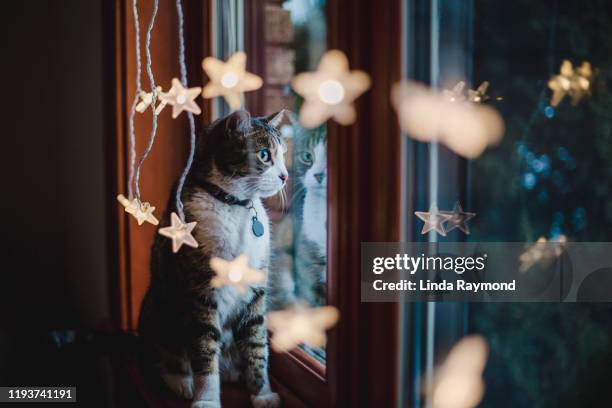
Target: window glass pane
(228, 38)
(295, 40)
(550, 177)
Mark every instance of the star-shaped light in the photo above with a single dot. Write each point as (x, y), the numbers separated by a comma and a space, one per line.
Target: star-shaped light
(561, 84)
(235, 273)
(434, 220)
(479, 95)
(458, 382)
(575, 83)
(541, 251)
(141, 211)
(458, 219)
(229, 79)
(581, 82)
(300, 324)
(179, 232)
(455, 94)
(430, 116)
(181, 98)
(146, 99)
(329, 91)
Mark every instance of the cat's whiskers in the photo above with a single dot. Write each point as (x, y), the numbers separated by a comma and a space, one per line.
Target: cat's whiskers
(299, 190)
(254, 185)
(296, 194)
(233, 175)
(283, 199)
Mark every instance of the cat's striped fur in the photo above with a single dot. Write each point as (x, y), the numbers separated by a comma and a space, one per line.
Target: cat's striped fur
(200, 333)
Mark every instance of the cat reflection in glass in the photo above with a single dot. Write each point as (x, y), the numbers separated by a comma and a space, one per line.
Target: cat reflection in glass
(196, 335)
(299, 259)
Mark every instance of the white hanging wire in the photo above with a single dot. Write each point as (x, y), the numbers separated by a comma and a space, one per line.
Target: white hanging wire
(153, 100)
(183, 68)
(132, 135)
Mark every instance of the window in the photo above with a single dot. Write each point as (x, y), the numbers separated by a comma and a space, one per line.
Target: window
(556, 177)
(548, 178)
(363, 194)
(299, 259)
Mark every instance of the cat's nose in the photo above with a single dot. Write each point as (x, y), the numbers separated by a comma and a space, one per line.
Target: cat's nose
(283, 177)
(319, 177)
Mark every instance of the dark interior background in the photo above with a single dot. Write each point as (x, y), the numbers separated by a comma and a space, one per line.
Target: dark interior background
(54, 269)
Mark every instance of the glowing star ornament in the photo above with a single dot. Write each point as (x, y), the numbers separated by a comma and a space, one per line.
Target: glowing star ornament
(479, 95)
(146, 100)
(179, 232)
(581, 84)
(458, 219)
(181, 98)
(299, 324)
(434, 220)
(575, 83)
(542, 251)
(455, 94)
(561, 84)
(329, 91)
(458, 382)
(429, 116)
(141, 211)
(235, 273)
(229, 79)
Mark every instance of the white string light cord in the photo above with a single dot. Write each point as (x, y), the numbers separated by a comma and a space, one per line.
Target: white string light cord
(132, 136)
(153, 100)
(183, 68)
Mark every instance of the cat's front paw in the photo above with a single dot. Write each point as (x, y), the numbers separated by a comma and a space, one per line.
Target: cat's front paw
(269, 400)
(205, 404)
(181, 384)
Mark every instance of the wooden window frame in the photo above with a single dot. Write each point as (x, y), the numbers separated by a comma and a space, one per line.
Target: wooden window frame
(365, 190)
(364, 194)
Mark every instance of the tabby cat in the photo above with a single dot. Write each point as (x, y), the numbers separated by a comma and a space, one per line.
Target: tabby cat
(201, 334)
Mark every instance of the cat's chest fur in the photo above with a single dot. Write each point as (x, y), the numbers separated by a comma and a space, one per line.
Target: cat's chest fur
(225, 231)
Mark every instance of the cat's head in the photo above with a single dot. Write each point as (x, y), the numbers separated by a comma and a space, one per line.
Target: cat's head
(243, 155)
(311, 159)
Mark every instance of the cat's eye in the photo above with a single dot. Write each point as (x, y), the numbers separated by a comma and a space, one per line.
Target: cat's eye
(264, 155)
(306, 158)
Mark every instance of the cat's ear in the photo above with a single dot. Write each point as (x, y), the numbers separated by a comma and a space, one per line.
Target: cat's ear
(276, 119)
(238, 122)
